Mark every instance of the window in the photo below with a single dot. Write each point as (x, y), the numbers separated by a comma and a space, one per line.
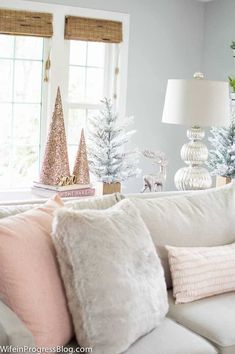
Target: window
(89, 82)
(85, 72)
(21, 67)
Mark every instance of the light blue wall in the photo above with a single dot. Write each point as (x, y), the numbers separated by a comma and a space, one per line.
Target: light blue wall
(166, 38)
(218, 61)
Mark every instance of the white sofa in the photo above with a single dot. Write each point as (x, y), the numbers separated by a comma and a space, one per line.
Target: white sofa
(205, 326)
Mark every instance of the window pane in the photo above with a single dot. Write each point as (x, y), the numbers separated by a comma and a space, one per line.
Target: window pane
(20, 108)
(78, 52)
(77, 121)
(28, 78)
(28, 47)
(5, 122)
(72, 151)
(96, 54)
(76, 84)
(6, 72)
(26, 123)
(4, 164)
(95, 84)
(93, 113)
(24, 165)
(6, 46)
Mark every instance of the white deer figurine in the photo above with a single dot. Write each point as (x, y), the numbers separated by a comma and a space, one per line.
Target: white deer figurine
(155, 182)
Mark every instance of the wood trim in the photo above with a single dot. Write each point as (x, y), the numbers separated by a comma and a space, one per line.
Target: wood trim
(26, 23)
(95, 30)
(221, 181)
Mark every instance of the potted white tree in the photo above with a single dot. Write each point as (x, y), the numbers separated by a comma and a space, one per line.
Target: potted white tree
(221, 161)
(109, 161)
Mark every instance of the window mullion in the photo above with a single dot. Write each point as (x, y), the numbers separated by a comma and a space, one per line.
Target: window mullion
(44, 105)
(85, 88)
(12, 142)
(73, 105)
(59, 67)
(107, 71)
(115, 73)
(65, 85)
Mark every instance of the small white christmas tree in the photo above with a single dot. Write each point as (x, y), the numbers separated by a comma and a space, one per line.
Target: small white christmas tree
(221, 159)
(107, 138)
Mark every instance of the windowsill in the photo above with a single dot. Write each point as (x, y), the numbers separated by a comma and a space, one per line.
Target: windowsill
(26, 196)
(18, 195)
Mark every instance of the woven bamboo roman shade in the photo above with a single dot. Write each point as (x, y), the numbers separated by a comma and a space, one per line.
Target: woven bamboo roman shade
(95, 30)
(26, 23)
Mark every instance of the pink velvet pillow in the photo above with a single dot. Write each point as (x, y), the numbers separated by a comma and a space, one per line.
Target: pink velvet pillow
(30, 282)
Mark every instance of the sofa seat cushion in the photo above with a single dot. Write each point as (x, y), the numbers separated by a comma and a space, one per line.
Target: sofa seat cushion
(212, 318)
(169, 338)
(12, 330)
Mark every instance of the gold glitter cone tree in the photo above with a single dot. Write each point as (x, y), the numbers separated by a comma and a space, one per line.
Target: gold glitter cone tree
(55, 163)
(81, 168)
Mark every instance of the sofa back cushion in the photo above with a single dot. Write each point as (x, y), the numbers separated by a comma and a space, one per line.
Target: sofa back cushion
(102, 202)
(153, 195)
(10, 210)
(204, 218)
(30, 282)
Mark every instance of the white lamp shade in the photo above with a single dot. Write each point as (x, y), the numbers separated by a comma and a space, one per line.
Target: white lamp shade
(197, 102)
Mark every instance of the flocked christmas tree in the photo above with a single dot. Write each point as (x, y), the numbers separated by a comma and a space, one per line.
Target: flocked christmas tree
(221, 159)
(108, 137)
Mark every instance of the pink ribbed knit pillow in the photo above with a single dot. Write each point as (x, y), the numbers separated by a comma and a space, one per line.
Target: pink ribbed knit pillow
(30, 282)
(199, 272)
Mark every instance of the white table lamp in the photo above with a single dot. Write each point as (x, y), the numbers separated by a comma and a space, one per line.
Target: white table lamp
(196, 103)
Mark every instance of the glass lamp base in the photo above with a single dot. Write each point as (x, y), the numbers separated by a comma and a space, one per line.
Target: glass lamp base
(194, 154)
(192, 178)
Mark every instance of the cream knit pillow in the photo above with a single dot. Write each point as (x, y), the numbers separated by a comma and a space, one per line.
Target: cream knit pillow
(199, 272)
(113, 277)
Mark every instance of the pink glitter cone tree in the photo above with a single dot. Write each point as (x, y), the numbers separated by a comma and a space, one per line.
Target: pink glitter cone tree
(81, 168)
(55, 163)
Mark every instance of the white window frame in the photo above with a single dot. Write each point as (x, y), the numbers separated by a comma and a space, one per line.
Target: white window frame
(58, 76)
(108, 85)
(43, 96)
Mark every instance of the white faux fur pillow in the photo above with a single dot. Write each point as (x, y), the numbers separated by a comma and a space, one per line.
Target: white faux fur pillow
(113, 277)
